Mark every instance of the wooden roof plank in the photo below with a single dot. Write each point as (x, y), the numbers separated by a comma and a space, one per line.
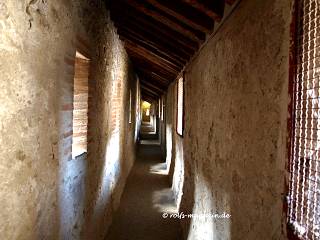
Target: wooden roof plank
(152, 84)
(144, 54)
(153, 74)
(148, 99)
(175, 52)
(230, 2)
(159, 52)
(149, 67)
(147, 88)
(154, 30)
(215, 12)
(160, 36)
(183, 14)
(172, 24)
(147, 92)
(182, 51)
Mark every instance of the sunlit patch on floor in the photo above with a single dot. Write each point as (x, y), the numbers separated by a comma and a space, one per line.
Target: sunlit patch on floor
(160, 168)
(149, 142)
(163, 200)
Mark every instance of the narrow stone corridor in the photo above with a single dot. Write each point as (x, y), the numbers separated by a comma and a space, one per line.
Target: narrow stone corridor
(160, 120)
(146, 196)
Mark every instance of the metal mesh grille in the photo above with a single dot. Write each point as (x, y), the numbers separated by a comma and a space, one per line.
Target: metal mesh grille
(304, 208)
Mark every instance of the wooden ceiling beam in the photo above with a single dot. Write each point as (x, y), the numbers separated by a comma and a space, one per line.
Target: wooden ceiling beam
(179, 51)
(159, 92)
(152, 81)
(150, 68)
(160, 36)
(212, 8)
(162, 78)
(150, 90)
(230, 2)
(156, 51)
(150, 60)
(148, 98)
(158, 29)
(194, 35)
(183, 13)
(160, 81)
(175, 53)
(160, 56)
(157, 76)
(148, 56)
(145, 91)
(148, 82)
(154, 31)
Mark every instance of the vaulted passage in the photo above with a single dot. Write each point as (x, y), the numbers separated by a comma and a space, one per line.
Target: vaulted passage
(159, 119)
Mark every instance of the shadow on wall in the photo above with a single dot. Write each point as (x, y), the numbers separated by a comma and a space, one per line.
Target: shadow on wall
(97, 146)
(109, 163)
(72, 196)
(170, 133)
(235, 144)
(73, 171)
(193, 184)
(181, 175)
(43, 188)
(91, 185)
(175, 156)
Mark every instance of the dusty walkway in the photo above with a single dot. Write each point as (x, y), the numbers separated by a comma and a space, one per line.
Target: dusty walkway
(147, 194)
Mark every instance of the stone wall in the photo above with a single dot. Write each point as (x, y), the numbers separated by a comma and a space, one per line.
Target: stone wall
(112, 139)
(170, 132)
(163, 127)
(175, 160)
(234, 145)
(46, 194)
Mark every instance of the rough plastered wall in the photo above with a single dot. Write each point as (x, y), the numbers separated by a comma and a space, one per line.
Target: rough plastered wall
(170, 132)
(236, 101)
(44, 194)
(176, 162)
(112, 139)
(163, 127)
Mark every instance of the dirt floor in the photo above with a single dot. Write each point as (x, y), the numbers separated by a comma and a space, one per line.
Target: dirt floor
(146, 196)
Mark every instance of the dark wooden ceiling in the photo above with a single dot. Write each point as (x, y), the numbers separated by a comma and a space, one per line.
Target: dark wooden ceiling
(161, 36)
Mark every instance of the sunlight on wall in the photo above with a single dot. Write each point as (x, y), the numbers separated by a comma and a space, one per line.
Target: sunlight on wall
(169, 145)
(111, 164)
(111, 170)
(204, 228)
(72, 195)
(138, 109)
(178, 176)
(110, 150)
